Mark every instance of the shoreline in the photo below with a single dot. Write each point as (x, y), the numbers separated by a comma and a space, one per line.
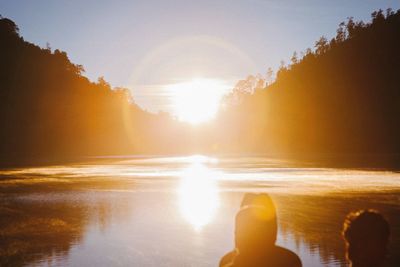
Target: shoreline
(389, 162)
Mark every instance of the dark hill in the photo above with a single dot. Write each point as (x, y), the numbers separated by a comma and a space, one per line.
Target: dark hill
(49, 110)
(339, 102)
(343, 98)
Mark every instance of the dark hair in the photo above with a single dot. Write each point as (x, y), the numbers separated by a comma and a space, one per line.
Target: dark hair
(365, 228)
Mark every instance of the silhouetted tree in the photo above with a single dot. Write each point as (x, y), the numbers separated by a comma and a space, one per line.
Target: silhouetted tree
(50, 110)
(341, 98)
(344, 97)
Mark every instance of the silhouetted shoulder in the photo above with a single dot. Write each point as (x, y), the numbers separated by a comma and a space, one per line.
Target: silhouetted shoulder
(288, 257)
(275, 257)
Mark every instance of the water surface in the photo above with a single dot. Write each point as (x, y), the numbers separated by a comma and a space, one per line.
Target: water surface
(179, 211)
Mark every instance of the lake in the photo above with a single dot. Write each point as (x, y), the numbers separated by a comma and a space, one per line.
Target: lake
(179, 211)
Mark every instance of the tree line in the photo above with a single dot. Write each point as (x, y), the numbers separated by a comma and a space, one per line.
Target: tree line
(340, 98)
(50, 110)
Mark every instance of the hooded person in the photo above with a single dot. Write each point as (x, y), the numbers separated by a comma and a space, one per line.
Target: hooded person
(256, 231)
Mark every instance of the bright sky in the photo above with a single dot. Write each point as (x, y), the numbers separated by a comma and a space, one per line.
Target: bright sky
(149, 45)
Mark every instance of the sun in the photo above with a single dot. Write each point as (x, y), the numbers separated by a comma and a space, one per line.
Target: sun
(196, 101)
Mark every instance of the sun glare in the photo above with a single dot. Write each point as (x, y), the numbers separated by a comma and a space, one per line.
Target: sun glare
(198, 195)
(198, 100)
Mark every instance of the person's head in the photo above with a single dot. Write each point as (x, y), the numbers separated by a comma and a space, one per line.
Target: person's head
(366, 234)
(256, 223)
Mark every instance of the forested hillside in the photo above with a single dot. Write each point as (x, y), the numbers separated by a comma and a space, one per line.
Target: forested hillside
(50, 110)
(341, 97)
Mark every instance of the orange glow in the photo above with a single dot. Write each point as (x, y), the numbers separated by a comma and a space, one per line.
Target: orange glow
(198, 100)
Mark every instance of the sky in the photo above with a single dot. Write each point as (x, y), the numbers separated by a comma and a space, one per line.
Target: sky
(147, 45)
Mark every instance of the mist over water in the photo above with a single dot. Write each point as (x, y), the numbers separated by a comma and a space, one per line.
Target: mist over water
(179, 211)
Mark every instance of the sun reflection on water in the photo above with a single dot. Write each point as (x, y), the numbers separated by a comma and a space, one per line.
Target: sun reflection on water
(198, 194)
